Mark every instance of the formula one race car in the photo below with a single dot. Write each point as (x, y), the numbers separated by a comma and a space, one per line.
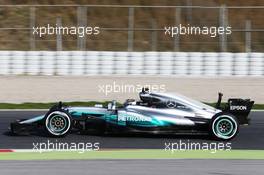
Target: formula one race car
(155, 113)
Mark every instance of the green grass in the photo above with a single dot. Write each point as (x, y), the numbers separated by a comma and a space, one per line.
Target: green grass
(135, 154)
(258, 106)
(89, 103)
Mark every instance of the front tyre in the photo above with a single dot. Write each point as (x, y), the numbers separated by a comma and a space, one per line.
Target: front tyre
(58, 123)
(224, 126)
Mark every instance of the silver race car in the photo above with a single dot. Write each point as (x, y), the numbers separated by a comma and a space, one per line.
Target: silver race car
(155, 113)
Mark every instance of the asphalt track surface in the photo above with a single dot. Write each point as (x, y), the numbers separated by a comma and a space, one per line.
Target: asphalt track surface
(153, 167)
(250, 137)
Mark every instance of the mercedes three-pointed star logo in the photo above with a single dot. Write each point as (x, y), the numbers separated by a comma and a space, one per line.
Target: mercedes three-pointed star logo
(171, 104)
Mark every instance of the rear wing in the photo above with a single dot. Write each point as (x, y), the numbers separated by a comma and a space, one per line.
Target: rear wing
(240, 108)
(237, 107)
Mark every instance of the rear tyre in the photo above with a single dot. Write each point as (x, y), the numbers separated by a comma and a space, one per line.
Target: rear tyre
(58, 123)
(224, 126)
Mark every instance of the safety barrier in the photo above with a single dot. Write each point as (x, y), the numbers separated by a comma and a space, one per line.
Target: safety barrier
(134, 63)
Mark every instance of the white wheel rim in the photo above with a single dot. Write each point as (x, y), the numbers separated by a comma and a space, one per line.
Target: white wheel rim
(61, 114)
(224, 136)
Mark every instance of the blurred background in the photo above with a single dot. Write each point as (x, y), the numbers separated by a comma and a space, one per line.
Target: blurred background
(130, 48)
(133, 25)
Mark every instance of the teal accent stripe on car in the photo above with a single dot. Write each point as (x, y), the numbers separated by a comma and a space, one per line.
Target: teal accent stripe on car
(35, 119)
